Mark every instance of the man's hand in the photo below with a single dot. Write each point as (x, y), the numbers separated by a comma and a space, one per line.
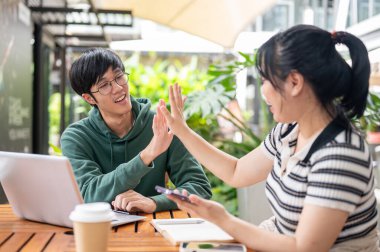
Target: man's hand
(132, 201)
(161, 139)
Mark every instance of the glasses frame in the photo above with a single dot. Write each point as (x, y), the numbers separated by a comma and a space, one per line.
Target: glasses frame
(109, 83)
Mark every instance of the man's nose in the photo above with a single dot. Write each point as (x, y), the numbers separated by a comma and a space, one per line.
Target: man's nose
(115, 85)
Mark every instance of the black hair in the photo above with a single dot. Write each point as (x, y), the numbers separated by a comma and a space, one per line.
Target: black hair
(311, 51)
(90, 66)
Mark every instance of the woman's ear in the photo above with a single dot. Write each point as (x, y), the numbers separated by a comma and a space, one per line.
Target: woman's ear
(88, 98)
(296, 81)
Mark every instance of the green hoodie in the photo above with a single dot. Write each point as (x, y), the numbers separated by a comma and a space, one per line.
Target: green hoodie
(106, 165)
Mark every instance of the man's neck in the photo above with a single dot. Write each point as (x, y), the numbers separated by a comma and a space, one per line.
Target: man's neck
(120, 125)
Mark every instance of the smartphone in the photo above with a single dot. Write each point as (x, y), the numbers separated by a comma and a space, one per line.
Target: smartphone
(167, 191)
(211, 247)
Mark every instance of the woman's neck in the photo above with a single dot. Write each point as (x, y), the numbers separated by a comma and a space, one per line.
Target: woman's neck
(311, 123)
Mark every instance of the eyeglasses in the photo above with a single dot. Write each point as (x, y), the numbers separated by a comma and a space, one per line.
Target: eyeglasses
(105, 87)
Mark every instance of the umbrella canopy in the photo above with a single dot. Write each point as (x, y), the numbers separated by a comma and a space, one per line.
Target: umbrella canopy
(219, 21)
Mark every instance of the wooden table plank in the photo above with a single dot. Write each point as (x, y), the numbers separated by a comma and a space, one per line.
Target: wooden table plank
(38, 242)
(16, 242)
(163, 215)
(145, 226)
(4, 236)
(29, 226)
(127, 228)
(178, 214)
(60, 242)
(140, 242)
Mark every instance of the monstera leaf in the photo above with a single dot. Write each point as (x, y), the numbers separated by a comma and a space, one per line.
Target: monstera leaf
(209, 101)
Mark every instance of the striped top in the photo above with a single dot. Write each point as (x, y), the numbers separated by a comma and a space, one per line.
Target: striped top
(338, 175)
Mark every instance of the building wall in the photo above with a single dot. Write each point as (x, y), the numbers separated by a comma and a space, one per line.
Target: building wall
(15, 79)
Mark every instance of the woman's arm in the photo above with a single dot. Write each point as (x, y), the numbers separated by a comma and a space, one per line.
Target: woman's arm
(236, 172)
(317, 230)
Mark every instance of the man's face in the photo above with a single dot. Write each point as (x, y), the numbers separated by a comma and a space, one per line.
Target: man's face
(111, 93)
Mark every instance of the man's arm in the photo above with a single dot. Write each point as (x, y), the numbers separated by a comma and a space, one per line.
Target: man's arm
(185, 173)
(93, 183)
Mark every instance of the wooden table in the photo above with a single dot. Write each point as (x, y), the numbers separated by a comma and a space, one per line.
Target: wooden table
(21, 235)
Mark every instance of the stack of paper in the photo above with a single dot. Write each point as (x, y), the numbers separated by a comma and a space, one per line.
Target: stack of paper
(190, 229)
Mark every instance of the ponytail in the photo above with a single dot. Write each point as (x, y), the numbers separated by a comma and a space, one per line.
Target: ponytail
(354, 100)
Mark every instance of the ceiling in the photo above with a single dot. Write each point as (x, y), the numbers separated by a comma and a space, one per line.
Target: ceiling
(87, 23)
(80, 24)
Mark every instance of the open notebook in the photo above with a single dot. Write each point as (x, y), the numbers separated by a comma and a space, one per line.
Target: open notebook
(190, 229)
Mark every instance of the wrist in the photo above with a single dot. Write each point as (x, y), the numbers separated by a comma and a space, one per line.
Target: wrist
(182, 133)
(147, 157)
(154, 204)
(223, 219)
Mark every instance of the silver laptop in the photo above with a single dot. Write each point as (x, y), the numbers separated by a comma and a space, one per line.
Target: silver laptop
(43, 188)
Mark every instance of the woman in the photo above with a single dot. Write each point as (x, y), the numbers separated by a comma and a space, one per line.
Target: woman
(317, 167)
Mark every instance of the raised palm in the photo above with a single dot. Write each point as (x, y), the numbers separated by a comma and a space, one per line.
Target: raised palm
(162, 136)
(175, 119)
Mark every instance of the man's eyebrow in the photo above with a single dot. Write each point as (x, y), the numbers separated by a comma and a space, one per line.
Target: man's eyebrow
(100, 80)
(116, 71)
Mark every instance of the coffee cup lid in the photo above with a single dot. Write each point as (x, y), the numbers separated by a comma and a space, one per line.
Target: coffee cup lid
(92, 212)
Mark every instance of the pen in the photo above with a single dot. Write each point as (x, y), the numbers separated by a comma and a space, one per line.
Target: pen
(179, 221)
(122, 212)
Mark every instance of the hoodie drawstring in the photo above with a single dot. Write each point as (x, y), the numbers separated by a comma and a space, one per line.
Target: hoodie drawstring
(110, 143)
(125, 151)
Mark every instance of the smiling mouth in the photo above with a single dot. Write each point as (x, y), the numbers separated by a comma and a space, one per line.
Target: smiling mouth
(120, 99)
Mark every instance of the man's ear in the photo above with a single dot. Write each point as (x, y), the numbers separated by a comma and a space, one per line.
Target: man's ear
(88, 98)
(296, 81)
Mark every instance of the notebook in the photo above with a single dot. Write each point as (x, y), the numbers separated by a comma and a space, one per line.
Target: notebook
(190, 229)
(43, 188)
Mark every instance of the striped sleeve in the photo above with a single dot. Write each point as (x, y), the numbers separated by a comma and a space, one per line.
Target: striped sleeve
(269, 144)
(339, 177)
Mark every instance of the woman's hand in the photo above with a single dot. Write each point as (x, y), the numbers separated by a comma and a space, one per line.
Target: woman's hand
(161, 140)
(206, 209)
(175, 119)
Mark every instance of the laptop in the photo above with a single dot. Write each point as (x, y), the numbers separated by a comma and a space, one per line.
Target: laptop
(43, 188)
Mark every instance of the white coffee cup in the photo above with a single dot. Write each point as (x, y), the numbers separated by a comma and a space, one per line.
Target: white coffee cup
(92, 224)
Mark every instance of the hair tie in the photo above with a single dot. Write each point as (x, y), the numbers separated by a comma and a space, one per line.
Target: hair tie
(337, 37)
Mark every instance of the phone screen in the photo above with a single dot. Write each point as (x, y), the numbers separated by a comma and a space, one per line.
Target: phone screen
(167, 191)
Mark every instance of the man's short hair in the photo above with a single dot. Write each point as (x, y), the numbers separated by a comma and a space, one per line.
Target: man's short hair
(90, 66)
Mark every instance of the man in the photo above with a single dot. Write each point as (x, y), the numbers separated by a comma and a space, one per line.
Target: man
(116, 155)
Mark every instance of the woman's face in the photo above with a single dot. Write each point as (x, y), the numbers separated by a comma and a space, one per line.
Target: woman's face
(280, 103)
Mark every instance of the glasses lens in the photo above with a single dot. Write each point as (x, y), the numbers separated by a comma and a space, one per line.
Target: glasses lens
(105, 88)
(122, 80)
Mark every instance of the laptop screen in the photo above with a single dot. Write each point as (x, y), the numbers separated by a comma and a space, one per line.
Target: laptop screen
(43, 188)
(39, 187)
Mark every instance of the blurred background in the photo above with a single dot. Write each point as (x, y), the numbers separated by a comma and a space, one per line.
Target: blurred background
(208, 46)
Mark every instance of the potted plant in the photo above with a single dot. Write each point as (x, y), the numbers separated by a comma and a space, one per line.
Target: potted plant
(370, 121)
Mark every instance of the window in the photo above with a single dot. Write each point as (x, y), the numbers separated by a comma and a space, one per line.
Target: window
(279, 17)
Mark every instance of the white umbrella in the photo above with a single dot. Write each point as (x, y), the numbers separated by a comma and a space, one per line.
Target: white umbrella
(219, 21)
